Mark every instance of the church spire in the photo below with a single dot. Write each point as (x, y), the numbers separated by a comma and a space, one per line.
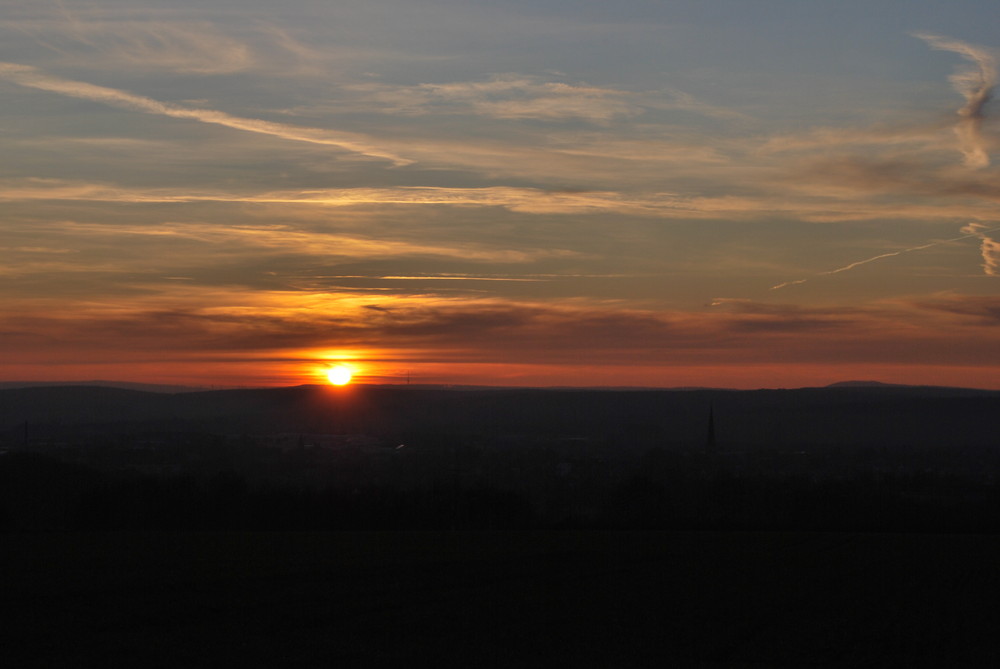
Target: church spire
(710, 438)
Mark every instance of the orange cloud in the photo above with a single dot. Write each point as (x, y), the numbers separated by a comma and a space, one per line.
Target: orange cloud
(290, 334)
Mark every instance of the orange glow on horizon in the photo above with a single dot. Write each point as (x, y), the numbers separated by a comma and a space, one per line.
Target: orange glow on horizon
(420, 368)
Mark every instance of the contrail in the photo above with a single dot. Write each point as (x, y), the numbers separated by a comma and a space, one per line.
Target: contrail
(991, 253)
(889, 255)
(976, 85)
(788, 283)
(30, 77)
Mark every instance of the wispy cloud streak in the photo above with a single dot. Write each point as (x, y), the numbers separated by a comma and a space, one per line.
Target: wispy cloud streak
(529, 200)
(976, 85)
(31, 77)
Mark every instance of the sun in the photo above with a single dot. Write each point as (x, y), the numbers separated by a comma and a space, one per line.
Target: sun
(339, 375)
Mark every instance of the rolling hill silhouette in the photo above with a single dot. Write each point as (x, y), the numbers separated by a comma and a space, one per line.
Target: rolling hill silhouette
(841, 415)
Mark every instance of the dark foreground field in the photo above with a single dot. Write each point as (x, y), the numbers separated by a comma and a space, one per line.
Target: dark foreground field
(613, 599)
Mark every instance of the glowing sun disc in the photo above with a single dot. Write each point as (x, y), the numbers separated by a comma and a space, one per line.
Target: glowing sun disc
(339, 376)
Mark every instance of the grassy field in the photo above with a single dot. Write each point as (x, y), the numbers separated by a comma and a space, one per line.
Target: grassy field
(612, 599)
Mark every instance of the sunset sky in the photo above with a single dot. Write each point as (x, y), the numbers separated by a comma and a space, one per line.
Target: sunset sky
(666, 193)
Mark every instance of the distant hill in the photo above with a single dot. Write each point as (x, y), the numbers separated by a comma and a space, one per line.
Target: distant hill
(146, 387)
(864, 384)
(172, 389)
(842, 415)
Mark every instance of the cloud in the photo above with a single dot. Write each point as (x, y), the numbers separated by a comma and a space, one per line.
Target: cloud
(521, 96)
(467, 331)
(513, 97)
(916, 139)
(976, 85)
(526, 200)
(293, 334)
(989, 248)
(506, 96)
(203, 42)
(31, 77)
(763, 318)
(802, 197)
(440, 277)
(185, 47)
(221, 240)
(983, 310)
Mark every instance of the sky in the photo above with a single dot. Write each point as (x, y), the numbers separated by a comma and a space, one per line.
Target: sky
(550, 193)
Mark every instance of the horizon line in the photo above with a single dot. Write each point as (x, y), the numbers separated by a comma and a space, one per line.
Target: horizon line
(167, 388)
